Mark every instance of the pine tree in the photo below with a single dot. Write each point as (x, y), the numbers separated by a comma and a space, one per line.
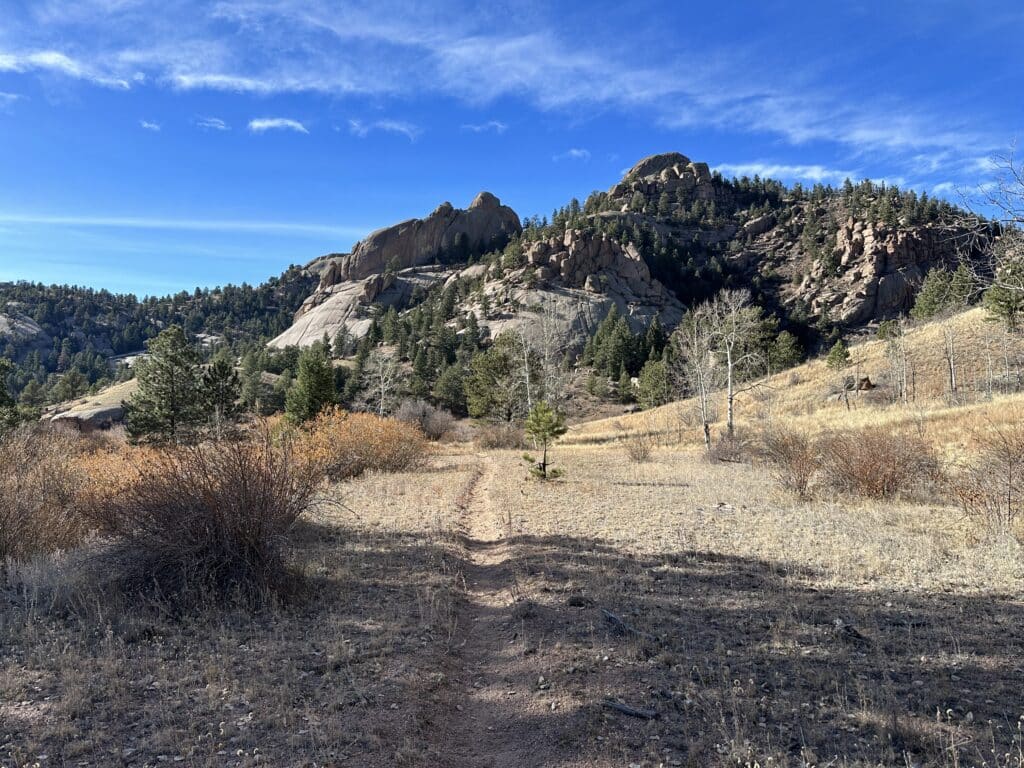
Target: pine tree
(168, 404)
(784, 352)
(544, 425)
(838, 357)
(448, 391)
(313, 389)
(653, 386)
(626, 394)
(934, 296)
(221, 392)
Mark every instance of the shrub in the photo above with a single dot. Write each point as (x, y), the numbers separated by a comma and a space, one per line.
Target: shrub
(39, 479)
(733, 449)
(638, 446)
(212, 517)
(992, 487)
(433, 422)
(876, 463)
(793, 459)
(348, 444)
(498, 436)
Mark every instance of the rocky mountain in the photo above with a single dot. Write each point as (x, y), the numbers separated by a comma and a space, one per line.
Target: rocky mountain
(668, 234)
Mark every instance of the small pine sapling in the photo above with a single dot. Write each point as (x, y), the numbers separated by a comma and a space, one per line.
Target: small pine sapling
(544, 425)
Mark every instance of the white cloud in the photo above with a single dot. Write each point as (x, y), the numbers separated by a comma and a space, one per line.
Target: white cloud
(58, 63)
(212, 124)
(198, 225)
(495, 126)
(576, 153)
(782, 171)
(149, 126)
(342, 48)
(362, 129)
(7, 99)
(262, 124)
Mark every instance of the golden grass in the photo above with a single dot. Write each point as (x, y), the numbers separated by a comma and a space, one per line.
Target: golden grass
(799, 398)
(456, 619)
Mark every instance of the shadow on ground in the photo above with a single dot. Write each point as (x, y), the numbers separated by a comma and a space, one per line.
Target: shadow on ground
(739, 660)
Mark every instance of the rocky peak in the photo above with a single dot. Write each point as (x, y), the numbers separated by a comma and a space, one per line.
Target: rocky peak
(448, 231)
(655, 164)
(670, 173)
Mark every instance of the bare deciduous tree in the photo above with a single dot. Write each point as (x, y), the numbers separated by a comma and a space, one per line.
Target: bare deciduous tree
(694, 370)
(734, 325)
(382, 374)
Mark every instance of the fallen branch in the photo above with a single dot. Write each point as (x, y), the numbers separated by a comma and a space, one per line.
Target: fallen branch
(643, 714)
(626, 629)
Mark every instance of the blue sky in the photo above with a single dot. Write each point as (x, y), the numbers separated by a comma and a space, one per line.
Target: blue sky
(154, 146)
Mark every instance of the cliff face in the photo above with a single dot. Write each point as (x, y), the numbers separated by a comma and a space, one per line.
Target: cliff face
(660, 237)
(447, 233)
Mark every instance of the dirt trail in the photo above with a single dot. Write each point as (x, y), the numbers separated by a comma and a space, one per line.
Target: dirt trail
(492, 697)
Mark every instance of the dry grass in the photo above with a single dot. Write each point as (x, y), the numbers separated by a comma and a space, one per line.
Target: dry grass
(39, 479)
(457, 620)
(348, 676)
(798, 399)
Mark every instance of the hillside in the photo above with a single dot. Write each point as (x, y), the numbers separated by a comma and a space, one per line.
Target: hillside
(669, 234)
(52, 331)
(988, 363)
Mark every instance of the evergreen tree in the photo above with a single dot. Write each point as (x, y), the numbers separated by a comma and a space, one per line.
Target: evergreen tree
(934, 296)
(221, 391)
(653, 388)
(8, 412)
(784, 352)
(626, 394)
(168, 404)
(313, 389)
(449, 392)
(838, 357)
(544, 425)
(497, 385)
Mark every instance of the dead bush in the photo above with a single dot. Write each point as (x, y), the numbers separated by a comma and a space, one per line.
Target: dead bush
(733, 449)
(436, 423)
(210, 518)
(639, 446)
(349, 444)
(499, 436)
(992, 485)
(792, 458)
(39, 479)
(877, 463)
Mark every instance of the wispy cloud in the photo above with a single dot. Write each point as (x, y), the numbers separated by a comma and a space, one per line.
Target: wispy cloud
(7, 99)
(149, 125)
(56, 62)
(397, 49)
(263, 124)
(212, 124)
(196, 225)
(495, 126)
(576, 153)
(362, 129)
(782, 171)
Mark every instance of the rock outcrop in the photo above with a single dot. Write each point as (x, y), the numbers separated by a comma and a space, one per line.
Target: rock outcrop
(446, 234)
(851, 273)
(672, 174)
(597, 264)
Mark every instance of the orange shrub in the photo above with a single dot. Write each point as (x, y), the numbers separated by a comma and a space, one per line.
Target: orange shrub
(348, 444)
(212, 517)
